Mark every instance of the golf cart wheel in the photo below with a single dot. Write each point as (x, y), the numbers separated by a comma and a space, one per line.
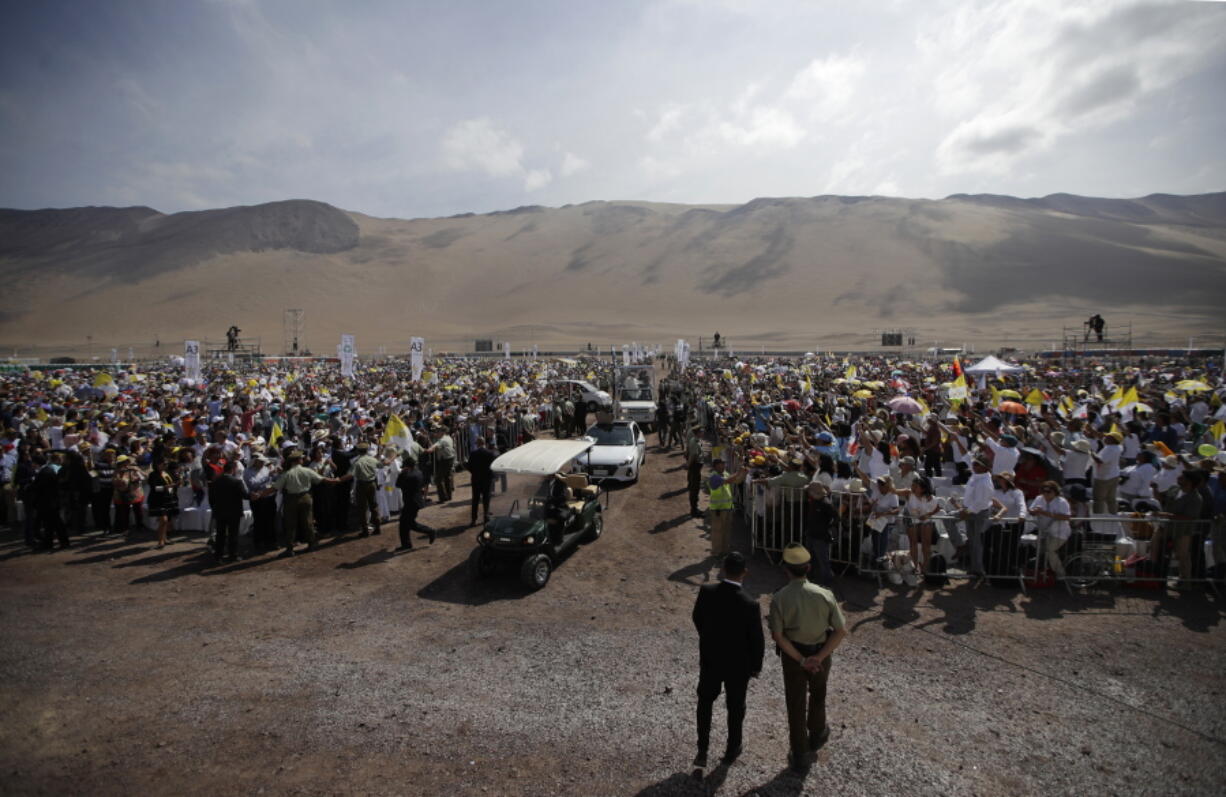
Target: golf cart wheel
(535, 571)
(480, 563)
(597, 528)
(1082, 572)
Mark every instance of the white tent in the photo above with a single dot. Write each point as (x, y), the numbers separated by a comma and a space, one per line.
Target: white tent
(990, 365)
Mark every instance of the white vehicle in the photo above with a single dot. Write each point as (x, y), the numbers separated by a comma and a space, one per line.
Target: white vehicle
(636, 395)
(583, 391)
(617, 453)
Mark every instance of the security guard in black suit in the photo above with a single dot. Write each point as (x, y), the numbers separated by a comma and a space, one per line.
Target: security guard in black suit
(730, 649)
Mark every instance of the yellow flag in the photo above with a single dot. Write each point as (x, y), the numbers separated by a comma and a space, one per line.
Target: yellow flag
(396, 433)
(958, 392)
(1218, 430)
(1130, 397)
(778, 380)
(41, 414)
(1034, 397)
(1116, 430)
(995, 397)
(1117, 395)
(502, 388)
(275, 437)
(850, 373)
(923, 405)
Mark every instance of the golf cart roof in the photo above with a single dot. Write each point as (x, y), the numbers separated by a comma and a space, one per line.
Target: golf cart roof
(540, 457)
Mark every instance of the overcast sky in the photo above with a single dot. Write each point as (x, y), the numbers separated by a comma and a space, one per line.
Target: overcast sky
(414, 109)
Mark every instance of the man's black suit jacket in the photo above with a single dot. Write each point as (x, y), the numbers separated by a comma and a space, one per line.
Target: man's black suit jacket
(729, 623)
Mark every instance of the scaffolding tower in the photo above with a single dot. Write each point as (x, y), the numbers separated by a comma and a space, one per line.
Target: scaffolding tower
(292, 325)
(1083, 340)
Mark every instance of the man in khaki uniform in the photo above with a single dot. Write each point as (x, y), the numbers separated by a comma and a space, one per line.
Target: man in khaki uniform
(807, 625)
(444, 463)
(366, 472)
(296, 482)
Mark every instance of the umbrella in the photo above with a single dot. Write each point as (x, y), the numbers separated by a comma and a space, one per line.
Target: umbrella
(1012, 407)
(1013, 394)
(863, 394)
(1191, 386)
(904, 405)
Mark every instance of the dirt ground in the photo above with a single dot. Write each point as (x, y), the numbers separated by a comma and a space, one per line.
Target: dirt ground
(128, 670)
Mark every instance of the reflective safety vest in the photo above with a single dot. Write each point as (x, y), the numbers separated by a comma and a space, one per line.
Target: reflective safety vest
(721, 497)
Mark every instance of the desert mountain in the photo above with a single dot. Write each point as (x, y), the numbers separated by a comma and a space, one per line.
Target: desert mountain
(820, 272)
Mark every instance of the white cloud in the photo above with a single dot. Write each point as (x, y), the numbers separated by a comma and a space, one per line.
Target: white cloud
(827, 85)
(573, 164)
(1013, 79)
(537, 178)
(476, 145)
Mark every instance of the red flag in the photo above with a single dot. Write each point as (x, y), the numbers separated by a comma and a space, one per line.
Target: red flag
(957, 367)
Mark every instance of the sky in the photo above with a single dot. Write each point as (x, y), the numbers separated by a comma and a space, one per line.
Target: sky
(410, 109)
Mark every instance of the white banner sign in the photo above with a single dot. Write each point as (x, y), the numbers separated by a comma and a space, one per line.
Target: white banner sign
(417, 351)
(348, 354)
(191, 360)
(506, 351)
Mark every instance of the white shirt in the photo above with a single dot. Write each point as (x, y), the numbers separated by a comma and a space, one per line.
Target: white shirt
(1166, 478)
(1014, 502)
(1075, 464)
(884, 503)
(1132, 446)
(917, 507)
(1198, 412)
(1137, 479)
(1109, 467)
(978, 494)
(1059, 529)
(1005, 457)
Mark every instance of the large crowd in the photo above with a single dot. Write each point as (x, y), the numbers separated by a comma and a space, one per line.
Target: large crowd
(120, 448)
(923, 446)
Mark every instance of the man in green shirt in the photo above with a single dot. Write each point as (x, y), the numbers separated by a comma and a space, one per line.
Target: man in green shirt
(296, 481)
(807, 625)
(444, 463)
(365, 470)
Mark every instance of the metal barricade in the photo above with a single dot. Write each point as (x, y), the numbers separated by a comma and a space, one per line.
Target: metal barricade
(776, 517)
(1139, 551)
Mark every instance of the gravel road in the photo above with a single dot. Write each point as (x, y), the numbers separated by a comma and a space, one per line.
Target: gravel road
(127, 670)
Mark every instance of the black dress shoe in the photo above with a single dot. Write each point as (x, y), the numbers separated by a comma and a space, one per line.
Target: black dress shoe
(403, 548)
(364, 533)
(818, 741)
(700, 760)
(731, 755)
(800, 764)
(377, 532)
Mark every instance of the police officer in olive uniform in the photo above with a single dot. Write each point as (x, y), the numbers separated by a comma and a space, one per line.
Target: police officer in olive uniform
(296, 482)
(693, 468)
(366, 474)
(807, 625)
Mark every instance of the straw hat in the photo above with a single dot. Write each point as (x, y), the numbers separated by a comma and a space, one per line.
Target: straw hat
(1083, 446)
(796, 554)
(855, 486)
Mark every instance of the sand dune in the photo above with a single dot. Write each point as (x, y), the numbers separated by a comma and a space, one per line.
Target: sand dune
(822, 272)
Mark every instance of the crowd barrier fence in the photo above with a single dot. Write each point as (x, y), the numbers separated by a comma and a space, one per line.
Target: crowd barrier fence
(1139, 551)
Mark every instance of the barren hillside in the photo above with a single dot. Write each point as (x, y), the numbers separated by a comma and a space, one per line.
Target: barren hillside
(800, 272)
